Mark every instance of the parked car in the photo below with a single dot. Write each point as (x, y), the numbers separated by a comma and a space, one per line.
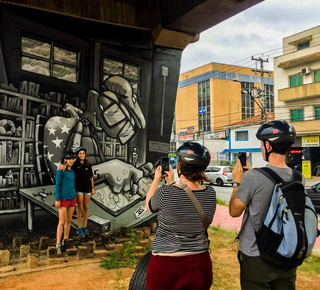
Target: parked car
(220, 174)
(314, 193)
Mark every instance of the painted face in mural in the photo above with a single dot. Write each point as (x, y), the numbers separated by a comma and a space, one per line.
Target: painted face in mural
(117, 109)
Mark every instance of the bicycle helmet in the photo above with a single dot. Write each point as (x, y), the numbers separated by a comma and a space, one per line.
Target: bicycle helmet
(78, 149)
(192, 153)
(276, 132)
(69, 155)
(280, 134)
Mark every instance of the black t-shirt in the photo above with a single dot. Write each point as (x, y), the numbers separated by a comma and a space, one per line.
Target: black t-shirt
(83, 174)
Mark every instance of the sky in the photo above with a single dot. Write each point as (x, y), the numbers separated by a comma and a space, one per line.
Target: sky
(257, 31)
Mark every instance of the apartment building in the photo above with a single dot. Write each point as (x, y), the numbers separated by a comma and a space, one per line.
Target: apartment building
(214, 96)
(297, 95)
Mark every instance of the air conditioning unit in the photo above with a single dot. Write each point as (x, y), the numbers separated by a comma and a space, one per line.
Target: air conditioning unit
(305, 70)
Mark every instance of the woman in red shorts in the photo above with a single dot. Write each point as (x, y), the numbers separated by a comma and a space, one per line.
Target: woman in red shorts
(180, 258)
(65, 198)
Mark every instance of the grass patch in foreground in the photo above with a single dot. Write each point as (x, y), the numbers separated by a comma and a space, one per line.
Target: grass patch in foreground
(311, 264)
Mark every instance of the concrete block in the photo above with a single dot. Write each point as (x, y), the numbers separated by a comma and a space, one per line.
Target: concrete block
(119, 248)
(32, 261)
(82, 253)
(24, 251)
(4, 258)
(44, 243)
(17, 242)
(110, 247)
(153, 227)
(146, 231)
(100, 253)
(139, 234)
(7, 269)
(51, 253)
(150, 240)
(56, 261)
(72, 251)
(143, 243)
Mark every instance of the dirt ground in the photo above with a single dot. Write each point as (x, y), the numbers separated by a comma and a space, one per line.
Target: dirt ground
(90, 275)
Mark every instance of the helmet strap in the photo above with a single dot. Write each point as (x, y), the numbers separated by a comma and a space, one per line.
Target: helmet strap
(266, 151)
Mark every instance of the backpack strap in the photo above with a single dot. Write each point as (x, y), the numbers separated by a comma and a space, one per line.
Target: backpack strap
(275, 178)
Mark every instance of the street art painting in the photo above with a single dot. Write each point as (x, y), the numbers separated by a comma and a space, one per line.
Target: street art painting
(61, 89)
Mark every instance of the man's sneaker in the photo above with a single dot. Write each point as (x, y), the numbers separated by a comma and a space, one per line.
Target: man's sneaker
(85, 231)
(58, 248)
(63, 243)
(80, 233)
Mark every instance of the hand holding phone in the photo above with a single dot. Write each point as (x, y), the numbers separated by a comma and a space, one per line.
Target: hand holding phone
(164, 162)
(242, 156)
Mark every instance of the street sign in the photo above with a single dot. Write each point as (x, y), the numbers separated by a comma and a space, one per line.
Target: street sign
(202, 110)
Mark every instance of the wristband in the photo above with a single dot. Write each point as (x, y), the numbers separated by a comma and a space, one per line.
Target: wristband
(172, 183)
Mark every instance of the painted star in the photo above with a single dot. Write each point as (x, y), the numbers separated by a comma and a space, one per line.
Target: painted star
(56, 119)
(65, 129)
(57, 164)
(57, 142)
(49, 156)
(52, 131)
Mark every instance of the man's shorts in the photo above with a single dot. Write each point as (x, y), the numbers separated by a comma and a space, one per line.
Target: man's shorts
(68, 202)
(83, 193)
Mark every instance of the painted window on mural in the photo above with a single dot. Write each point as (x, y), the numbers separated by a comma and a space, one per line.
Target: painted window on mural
(247, 102)
(204, 106)
(129, 71)
(48, 59)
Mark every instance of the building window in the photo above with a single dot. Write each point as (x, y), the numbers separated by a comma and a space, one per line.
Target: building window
(204, 106)
(316, 76)
(50, 59)
(269, 98)
(303, 45)
(128, 71)
(241, 135)
(296, 115)
(317, 113)
(247, 102)
(296, 80)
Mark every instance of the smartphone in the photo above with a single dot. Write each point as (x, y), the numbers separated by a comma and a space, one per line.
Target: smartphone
(164, 162)
(242, 156)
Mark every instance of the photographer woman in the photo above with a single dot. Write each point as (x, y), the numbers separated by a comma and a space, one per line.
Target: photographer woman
(180, 257)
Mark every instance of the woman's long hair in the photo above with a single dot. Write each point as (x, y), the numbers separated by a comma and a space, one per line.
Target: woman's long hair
(85, 160)
(192, 172)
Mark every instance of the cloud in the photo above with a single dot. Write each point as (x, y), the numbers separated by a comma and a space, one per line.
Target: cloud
(257, 31)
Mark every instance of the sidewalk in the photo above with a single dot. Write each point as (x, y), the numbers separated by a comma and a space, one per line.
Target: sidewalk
(225, 221)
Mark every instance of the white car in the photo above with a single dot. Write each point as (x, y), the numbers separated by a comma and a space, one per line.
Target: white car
(220, 174)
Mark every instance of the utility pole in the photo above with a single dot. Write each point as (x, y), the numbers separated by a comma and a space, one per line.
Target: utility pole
(262, 72)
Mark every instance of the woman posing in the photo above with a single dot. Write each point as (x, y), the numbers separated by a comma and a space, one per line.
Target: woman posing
(180, 257)
(65, 198)
(84, 188)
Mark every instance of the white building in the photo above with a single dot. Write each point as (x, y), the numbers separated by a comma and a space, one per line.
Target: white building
(297, 93)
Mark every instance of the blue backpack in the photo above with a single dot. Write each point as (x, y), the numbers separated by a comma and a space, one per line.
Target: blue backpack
(290, 228)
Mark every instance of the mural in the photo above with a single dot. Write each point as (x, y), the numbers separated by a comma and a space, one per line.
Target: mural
(112, 94)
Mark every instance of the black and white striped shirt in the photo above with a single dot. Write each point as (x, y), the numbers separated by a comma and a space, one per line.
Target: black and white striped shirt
(180, 228)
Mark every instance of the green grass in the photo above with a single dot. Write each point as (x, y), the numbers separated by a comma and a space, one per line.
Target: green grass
(126, 259)
(311, 264)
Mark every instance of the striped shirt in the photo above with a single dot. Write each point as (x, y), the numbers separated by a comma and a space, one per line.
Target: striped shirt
(180, 227)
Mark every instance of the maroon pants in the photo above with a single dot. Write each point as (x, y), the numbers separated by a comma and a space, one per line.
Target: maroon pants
(186, 272)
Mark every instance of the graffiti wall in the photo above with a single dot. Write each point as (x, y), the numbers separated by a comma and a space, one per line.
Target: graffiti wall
(67, 82)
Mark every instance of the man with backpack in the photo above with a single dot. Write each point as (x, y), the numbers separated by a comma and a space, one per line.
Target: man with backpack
(252, 193)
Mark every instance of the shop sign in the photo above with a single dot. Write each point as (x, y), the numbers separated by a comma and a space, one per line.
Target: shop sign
(310, 141)
(222, 156)
(306, 168)
(185, 137)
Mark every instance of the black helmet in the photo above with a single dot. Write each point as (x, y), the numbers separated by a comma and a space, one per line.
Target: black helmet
(277, 132)
(192, 153)
(69, 154)
(78, 149)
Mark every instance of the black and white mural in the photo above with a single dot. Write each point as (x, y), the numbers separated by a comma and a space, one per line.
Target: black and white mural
(66, 83)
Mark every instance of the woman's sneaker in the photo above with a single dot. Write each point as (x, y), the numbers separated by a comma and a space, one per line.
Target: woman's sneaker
(58, 248)
(85, 231)
(80, 233)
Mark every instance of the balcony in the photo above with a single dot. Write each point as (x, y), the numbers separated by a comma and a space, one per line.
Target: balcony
(299, 92)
